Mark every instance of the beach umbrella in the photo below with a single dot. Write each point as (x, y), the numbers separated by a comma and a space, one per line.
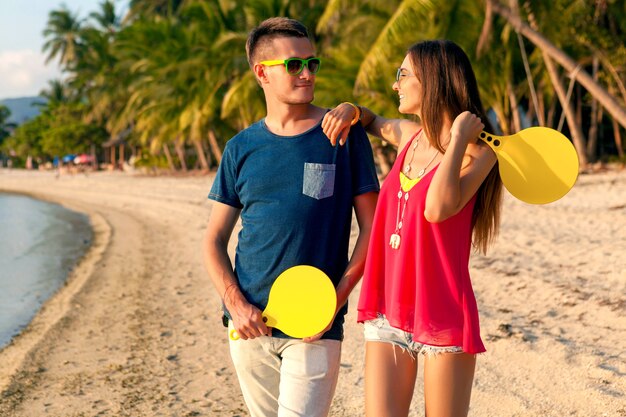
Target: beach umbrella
(83, 158)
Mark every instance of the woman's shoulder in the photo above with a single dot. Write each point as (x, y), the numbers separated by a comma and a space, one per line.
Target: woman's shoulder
(408, 130)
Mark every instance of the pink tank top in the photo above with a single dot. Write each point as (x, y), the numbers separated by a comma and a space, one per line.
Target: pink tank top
(423, 287)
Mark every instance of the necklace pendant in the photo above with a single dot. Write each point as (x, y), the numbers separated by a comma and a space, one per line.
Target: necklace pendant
(422, 171)
(394, 242)
(407, 169)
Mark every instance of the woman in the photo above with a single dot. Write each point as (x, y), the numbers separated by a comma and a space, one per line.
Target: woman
(442, 196)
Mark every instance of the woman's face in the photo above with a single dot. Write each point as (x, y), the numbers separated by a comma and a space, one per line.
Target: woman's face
(409, 89)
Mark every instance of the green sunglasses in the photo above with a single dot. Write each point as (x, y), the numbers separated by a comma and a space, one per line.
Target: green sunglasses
(294, 66)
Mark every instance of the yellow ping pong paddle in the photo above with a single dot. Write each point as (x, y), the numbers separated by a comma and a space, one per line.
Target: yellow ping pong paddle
(538, 165)
(301, 303)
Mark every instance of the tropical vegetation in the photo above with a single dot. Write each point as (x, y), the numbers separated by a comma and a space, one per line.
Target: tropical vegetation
(5, 125)
(170, 78)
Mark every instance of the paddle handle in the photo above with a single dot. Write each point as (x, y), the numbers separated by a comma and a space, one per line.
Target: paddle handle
(490, 139)
(233, 335)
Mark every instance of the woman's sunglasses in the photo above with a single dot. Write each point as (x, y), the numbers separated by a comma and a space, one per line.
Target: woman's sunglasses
(294, 66)
(401, 73)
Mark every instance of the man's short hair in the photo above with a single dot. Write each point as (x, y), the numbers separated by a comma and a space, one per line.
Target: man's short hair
(261, 36)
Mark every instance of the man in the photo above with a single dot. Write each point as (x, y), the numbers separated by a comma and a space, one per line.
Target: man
(295, 193)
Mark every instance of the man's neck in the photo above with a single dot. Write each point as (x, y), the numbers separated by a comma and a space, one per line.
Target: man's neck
(292, 119)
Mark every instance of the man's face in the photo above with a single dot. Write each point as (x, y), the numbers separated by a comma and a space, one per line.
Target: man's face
(276, 82)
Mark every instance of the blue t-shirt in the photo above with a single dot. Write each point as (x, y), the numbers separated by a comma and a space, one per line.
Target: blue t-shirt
(296, 197)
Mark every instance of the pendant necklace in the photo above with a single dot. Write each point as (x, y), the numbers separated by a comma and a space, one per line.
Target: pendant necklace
(407, 167)
(403, 198)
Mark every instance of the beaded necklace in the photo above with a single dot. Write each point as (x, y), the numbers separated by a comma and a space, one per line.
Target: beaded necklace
(403, 198)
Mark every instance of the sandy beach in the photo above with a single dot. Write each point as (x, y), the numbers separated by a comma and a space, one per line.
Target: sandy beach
(137, 331)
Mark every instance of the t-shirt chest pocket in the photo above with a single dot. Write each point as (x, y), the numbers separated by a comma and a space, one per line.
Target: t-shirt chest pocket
(319, 180)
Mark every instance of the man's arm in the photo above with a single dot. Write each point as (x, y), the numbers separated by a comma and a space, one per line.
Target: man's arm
(364, 208)
(247, 319)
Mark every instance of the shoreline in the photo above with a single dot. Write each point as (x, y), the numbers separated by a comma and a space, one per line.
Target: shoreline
(14, 354)
(138, 331)
(46, 242)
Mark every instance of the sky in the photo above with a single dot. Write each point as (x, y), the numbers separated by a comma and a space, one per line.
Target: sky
(23, 71)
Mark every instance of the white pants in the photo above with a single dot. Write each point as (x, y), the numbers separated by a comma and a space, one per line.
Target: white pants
(286, 377)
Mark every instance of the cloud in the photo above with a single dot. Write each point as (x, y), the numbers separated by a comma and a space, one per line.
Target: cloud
(24, 73)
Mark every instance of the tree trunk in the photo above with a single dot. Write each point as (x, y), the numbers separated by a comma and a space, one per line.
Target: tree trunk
(531, 113)
(592, 140)
(168, 156)
(529, 78)
(579, 112)
(122, 157)
(517, 122)
(383, 163)
(180, 151)
(94, 162)
(549, 49)
(570, 116)
(215, 148)
(207, 153)
(618, 140)
(502, 120)
(541, 111)
(551, 113)
(201, 156)
(485, 32)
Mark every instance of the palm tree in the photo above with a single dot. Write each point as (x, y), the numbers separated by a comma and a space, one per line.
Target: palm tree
(98, 74)
(57, 93)
(222, 29)
(148, 9)
(552, 52)
(106, 18)
(176, 69)
(62, 33)
(145, 54)
(214, 61)
(391, 27)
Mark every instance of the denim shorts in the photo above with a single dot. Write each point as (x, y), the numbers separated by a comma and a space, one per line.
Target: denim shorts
(379, 330)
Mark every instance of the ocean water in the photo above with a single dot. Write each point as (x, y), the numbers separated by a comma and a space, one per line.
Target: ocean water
(40, 243)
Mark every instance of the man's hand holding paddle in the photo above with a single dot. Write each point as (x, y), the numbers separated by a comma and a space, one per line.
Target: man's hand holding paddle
(247, 319)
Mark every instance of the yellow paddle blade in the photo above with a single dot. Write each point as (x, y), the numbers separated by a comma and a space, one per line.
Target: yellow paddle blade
(302, 302)
(538, 165)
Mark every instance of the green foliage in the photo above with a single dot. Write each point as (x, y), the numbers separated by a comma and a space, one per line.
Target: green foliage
(68, 133)
(26, 140)
(148, 160)
(4, 125)
(62, 32)
(176, 70)
(57, 131)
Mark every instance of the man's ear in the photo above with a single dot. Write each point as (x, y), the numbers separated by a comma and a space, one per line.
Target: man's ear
(259, 72)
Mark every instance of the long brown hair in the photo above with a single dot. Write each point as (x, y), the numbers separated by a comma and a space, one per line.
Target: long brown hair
(450, 87)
